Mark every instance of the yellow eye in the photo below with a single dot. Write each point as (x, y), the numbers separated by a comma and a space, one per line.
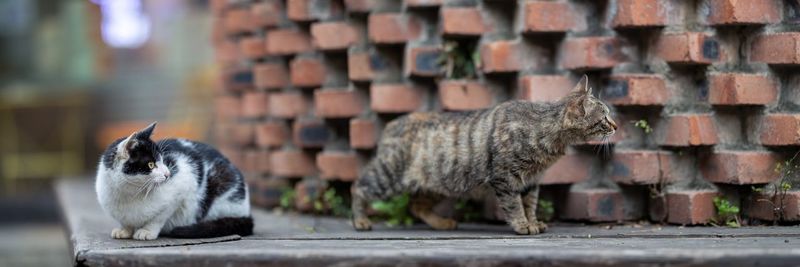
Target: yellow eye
(151, 165)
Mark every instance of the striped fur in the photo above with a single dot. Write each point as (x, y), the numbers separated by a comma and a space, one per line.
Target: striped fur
(461, 154)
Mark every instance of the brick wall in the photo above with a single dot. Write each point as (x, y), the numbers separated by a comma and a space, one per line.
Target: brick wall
(306, 86)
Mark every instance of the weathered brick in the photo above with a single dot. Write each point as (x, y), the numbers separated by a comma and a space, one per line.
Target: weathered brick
(689, 48)
(570, 168)
(334, 35)
(252, 46)
(544, 88)
(423, 3)
(265, 14)
(227, 107)
(740, 167)
(585, 53)
(690, 207)
(464, 95)
(640, 13)
(501, 56)
(359, 6)
(291, 163)
(287, 105)
(596, 205)
(241, 134)
(737, 12)
(393, 28)
(271, 134)
(270, 75)
(234, 154)
(762, 206)
(227, 53)
(464, 21)
(780, 129)
(359, 67)
(311, 10)
(236, 80)
(254, 104)
(237, 20)
(255, 161)
(311, 133)
(688, 130)
(423, 61)
(551, 16)
(776, 48)
(741, 89)
(266, 192)
(395, 98)
(636, 90)
(307, 72)
(218, 6)
(337, 103)
(336, 165)
(640, 166)
(287, 42)
(363, 133)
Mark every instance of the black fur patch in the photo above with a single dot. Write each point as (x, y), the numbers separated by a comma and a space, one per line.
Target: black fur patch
(242, 226)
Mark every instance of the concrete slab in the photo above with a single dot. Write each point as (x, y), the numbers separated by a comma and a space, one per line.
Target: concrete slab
(301, 240)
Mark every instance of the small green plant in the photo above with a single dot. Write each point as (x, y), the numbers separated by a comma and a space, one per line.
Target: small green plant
(332, 201)
(287, 198)
(642, 124)
(395, 210)
(545, 210)
(727, 213)
(459, 61)
(780, 188)
(468, 210)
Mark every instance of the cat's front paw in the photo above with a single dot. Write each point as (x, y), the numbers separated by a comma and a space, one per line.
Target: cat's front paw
(120, 233)
(527, 229)
(144, 234)
(541, 225)
(362, 224)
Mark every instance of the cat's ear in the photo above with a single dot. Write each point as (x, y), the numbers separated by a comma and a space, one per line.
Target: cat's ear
(146, 132)
(125, 147)
(582, 88)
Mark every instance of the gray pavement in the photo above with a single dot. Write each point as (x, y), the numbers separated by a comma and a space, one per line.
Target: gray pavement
(300, 240)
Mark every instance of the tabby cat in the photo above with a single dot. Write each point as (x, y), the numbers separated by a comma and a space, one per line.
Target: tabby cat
(459, 154)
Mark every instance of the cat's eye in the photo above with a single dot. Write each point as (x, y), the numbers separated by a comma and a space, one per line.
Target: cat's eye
(151, 165)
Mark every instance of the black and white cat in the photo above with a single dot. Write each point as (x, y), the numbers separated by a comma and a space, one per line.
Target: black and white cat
(173, 187)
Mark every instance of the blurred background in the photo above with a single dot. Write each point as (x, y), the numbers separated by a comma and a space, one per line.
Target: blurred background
(74, 76)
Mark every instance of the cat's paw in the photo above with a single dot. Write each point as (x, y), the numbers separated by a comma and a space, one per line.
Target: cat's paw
(541, 225)
(445, 224)
(120, 233)
(527, 229)
(362, 224)
(144, 234)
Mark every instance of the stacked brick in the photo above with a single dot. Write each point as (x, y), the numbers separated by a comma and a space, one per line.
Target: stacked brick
(705, 92)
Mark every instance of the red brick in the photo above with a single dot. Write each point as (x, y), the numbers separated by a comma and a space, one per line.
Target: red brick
(780, 129)
(239, 134)
(640, 13)
(581, 53)
(311, 133)
(233, 154)
(226, 53)
(287, 105)
(395, 98)
(291, 163)
(311, 10)
(337, 103)
(689, 48)
(640, 166)
(237, 20)
(776, 48)
(359, 6)
(265, 14)
(501, 56)
(254, 104)
(740, 167)
(393, 28)
(335, 165)
(266, 192)
(465, 21)
(544, 88)
(218, 6)
(464, 95)
(570, 168)
(596, 205)
(237, 80)
(271, 134)
(551, 16)
(688, 130)
(255, 161)
(741, 89)
(252, 46)
(690, 207)
(218, 34)
(363, 133)
(636, 90)
(307, 72)
(423, 3)
(423, 61)
(761, 205)
(270, 75)
(227, 107)
(287, 42)
(737, 12)
(334, 35)
(359, 67)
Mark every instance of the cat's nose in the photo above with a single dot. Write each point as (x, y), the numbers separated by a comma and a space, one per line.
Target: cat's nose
(611, 122)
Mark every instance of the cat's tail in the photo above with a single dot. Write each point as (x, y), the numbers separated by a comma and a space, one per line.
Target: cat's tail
(242, 226)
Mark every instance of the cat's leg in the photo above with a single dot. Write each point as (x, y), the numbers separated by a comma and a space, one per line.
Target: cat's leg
(122, 233)
(151, 230)
(422, 207)
(511, 203)
(359, 206)
(530, 200)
